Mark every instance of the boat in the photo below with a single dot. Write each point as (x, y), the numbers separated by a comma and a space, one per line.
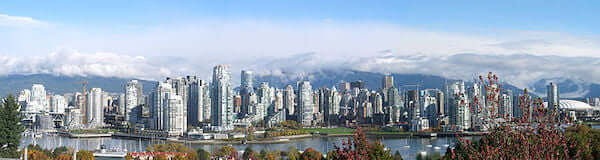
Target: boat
(109, 153)
(429, 146)
(437, 148)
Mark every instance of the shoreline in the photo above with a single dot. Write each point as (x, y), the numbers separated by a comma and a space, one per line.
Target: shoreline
(275, 140)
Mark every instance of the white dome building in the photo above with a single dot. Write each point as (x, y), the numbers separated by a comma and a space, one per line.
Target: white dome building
(573, 105)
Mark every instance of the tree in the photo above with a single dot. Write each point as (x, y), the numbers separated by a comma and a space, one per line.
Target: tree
(37, 155)
(588, 140)
(311, 154)
(397, 156)
(360, 148)
(377, 151)
(262, 154)
(10, 127)
(227, 152)
(537, 135)
(355, 148)
(272, 155)
(191, 155)
(64, 157)
(129, 157)
(59, 151)
(293, 153)
(249, 154)
(85, 155)
(203, 154)
(160, 157)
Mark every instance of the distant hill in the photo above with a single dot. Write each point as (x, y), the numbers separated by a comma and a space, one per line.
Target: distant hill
(12, 84)
(329, 78)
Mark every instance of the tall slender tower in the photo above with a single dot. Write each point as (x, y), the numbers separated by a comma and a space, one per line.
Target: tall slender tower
(222, 99)
(133, 101)
(552, 96)
(95, 112)
(387, 82)
(305, 103)
(196, 100)
(246, 90)
(289, 100)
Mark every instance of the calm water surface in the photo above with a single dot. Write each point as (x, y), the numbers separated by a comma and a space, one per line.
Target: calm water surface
(408, 147)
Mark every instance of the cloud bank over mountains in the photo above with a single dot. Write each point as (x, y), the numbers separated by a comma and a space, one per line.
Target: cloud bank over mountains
(521, 70)
(521, 58)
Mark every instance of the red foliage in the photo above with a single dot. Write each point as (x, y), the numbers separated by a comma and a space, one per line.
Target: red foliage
(536, 135)
(357, 148)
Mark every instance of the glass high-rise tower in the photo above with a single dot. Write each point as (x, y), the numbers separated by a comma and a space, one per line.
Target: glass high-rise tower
(222, 99)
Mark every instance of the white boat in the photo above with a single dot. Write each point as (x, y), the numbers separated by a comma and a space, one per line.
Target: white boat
(406, 146)
(429, 146)
(437, 148)
(446, 145)
(112, 153)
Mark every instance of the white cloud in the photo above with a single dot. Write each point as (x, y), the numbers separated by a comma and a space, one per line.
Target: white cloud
(75, 63)
(520, 57)
(18, 21)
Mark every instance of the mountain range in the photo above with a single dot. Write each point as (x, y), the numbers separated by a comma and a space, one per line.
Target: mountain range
(56, 84)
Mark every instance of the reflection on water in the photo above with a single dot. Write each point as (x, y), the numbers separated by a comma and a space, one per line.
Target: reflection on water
(408, 147)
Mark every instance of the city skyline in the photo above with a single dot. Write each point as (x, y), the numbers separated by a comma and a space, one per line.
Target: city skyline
(143, 41)
(300, 79)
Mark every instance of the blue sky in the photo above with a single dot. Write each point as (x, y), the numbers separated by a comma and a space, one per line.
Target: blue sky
(153, 39)
(560, 16)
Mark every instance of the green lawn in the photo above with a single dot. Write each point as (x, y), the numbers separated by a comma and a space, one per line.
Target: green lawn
(329, 130)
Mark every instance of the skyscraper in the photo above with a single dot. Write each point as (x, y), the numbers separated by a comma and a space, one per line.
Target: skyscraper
(506, 104)
(196, 101)
(95, 110)
(174, 121)
(181, 88)
(222, 99)
(396, 104)
(24, 98)
(39, 102)
(246, 90)
(289, 100)
(305, 103)
(247, 83)
(134, 100)
(413, 104)
(552, 96)
(458, 108)
(357, 84)
(377, 103)
(387, 82)
(158, 104)
(58, 104)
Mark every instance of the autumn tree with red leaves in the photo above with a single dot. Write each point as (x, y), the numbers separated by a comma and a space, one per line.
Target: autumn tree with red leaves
(535, 135)
(358, 147)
